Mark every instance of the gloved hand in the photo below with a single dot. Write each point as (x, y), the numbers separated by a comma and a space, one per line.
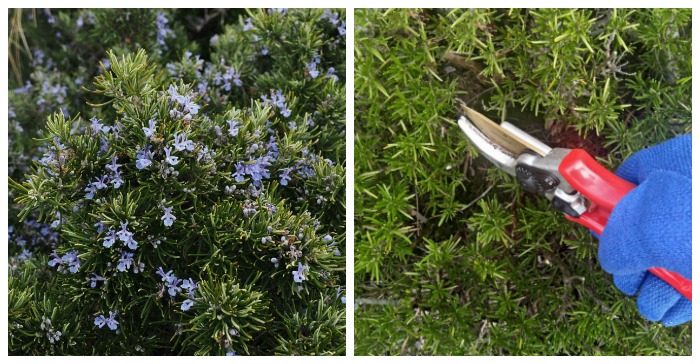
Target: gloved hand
(651, 227)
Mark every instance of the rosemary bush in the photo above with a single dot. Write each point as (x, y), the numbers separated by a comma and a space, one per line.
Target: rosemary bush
(190, 199)
(452, 256)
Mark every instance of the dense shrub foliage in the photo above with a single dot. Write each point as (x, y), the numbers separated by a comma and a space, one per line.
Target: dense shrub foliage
(451, 255)
(185, 194)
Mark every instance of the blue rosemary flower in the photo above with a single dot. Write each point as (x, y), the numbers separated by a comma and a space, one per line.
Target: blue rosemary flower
(151, 129)
(143, 158)
(190, 286)
(162, 30)
(114, 166)
(299, 273)
(186, 304)
(331, 74)
(233, 127)
(166, 276)
(96, 127)
(127, 237)
(248, 25)
(284, 176)
(190, 106)
(90, 189)
(172, 286)
(168, 217)
(94, 278)
(172, 160)
(70, 259)
(110, 239)
(111, 322)
(100, 182)
(125, 262)
(56, 260)
(116, 179)
(181, 143)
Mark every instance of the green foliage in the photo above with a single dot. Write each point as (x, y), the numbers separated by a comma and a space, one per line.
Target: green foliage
(187, 216)
(452, 257)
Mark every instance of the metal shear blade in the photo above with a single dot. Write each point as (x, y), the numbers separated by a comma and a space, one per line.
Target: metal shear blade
(499, 143)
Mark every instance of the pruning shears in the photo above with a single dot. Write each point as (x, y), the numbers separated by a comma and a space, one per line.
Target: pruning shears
(571, 179)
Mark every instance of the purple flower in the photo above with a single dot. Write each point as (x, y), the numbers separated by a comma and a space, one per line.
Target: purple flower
(190, 286)
(168, 217)
(167, 277)
(90, 189)
(114, 166)
(104, 146)
(162, 30)
(248, 25)
(127, 237)
(124, 232)
(171, 160)
(174, 95)
(284, 176)
(331, 74)
(327, 239)
(100, 321)
(333, 19)
(117, 180)
(311, 68)
(190, 106)
(97, 127)
(131, 243)
(186, 304)
(94, 278)
(181, 143)
(256, 168)
(56, 260)
(233, 127)
(100, 182)
(24, 255)
(264, 51)
(173, 289)
(299, 273)
(71, 258)
(341, 28)
(56, 222)
(125, 262)
(218, 79)
(286, 112)
(143, 158)
(110, 239)
(275, 261)
(151, 130)
(239, 174)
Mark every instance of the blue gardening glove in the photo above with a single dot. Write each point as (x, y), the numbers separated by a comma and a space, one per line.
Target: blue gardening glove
(651, 227)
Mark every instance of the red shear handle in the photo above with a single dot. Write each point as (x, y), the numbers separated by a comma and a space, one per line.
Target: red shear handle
(605, 190)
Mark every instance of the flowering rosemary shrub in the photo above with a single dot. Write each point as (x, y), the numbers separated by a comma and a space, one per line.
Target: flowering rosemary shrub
(195, 207)
(452, 256)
